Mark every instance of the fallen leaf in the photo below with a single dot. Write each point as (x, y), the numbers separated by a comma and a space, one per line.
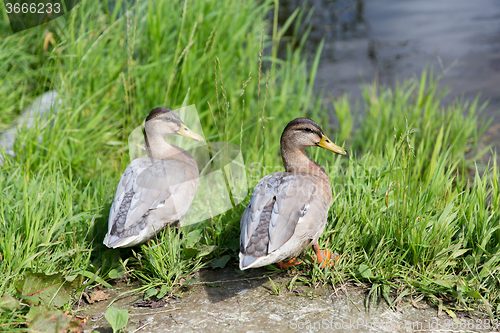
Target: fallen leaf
(82, 319)
(97, 296)
(54, 321)
(49, 290)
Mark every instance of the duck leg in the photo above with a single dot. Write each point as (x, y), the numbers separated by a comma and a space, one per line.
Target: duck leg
(290, 263)
(325, 257)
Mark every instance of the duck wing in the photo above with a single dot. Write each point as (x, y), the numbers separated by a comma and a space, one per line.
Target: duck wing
(278, 203)
(144, 186)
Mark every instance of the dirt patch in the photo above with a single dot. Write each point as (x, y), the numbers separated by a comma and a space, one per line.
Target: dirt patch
(236, 302)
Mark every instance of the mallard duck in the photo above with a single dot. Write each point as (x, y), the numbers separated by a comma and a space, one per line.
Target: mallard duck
(288, 210)
(157, 190)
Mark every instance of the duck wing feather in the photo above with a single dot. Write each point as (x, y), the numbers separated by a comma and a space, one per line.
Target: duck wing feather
(278, 203)
(144, 185)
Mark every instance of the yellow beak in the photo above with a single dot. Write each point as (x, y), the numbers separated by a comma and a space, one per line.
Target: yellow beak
(328, 144)
(187, 133)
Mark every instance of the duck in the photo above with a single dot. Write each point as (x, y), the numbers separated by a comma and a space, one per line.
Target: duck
(154, 191)
(288, 210)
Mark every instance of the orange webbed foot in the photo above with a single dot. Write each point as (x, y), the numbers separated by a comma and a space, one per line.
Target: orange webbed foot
(290, 263)
(324, 257)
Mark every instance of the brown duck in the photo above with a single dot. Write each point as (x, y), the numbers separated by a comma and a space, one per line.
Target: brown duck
(157, 190)
(288, 210)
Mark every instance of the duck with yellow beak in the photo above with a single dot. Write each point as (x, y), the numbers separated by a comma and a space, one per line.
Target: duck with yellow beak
(288, 210)
(157, 190)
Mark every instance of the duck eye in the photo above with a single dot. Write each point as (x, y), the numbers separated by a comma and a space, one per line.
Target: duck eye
(308, 130)
(167, 118)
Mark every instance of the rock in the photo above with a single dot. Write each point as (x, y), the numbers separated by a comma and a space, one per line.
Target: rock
(41, 108)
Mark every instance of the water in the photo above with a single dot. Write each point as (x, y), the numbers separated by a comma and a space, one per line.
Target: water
(396, 39)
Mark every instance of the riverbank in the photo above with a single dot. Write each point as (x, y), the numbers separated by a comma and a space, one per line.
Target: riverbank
(416, 212)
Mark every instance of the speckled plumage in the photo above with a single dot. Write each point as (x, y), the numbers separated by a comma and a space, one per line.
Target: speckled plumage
(280, 204)
(153, 192)
(288, 210)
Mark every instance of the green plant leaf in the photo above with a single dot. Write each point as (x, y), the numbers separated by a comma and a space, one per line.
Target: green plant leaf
(365, 271)
(116, 318)
(442, 283)
(206, 250)
(192, 238)
(116, 273)
(110, 259)
(163, 291)
(9, 302)
(189, 252)
(151, 292)
(474, 294)
(49, 290)
(221, 262)
(95, 277)
(385, 294)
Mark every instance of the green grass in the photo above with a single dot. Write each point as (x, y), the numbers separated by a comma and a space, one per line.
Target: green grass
(410, 195)
(21, 75)
(413, 190)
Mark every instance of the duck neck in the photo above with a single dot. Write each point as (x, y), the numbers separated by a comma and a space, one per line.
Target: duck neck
(295, 160)
(159, 149)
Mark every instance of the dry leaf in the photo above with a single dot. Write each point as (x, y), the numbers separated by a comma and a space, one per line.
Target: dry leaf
(48, 38)
(97, 296)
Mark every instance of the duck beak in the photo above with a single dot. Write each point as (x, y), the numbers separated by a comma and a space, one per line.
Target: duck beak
(329, 145)
(187, 133)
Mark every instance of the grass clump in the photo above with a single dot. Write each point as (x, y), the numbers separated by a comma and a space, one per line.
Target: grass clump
(408, 193)
(424, 220)
(22, 75)
(170, 261)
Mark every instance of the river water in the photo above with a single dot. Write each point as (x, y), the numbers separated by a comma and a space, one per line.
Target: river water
(396, 39)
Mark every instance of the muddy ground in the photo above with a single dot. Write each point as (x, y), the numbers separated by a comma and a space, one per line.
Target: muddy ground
(236, 302)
